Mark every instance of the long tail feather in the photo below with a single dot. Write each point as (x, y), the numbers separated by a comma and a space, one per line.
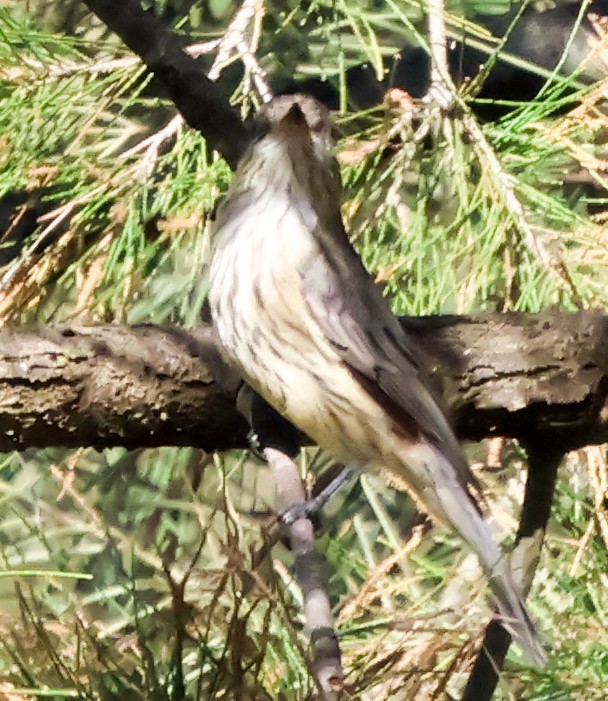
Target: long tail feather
(448, 500)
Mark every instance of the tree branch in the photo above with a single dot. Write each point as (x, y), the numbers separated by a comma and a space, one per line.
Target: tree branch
(200, 102)
(112, 385)
(543, 463)
(524, 376)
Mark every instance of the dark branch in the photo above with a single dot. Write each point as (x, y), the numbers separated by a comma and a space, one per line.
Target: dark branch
(195, 96)
(516, 375)
(538, 499)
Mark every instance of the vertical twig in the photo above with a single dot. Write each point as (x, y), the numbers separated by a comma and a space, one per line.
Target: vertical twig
(437, 40)
(441, 89)
(279, 441)
(309, 567)
(443, 93)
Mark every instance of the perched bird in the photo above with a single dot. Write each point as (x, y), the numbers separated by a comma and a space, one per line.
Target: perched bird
(298, 315)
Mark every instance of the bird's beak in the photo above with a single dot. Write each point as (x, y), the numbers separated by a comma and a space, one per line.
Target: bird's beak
(293, 122)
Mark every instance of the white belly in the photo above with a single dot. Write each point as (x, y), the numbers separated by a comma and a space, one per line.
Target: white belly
(280, 350)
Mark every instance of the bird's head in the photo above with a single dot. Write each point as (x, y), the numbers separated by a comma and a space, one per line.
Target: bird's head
(293, 152)
(301, 122)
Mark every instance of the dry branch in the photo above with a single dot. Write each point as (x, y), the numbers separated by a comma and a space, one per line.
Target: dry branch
(543, 376)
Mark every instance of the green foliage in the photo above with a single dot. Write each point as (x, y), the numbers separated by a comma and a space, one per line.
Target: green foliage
(133, 575)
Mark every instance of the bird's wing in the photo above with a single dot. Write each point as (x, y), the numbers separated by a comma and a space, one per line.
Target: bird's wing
(357, 321)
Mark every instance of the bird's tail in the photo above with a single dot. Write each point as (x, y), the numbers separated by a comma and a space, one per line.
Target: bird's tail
(449, 500)
(514, 615)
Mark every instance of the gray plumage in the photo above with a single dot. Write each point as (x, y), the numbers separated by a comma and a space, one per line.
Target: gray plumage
(299, 316)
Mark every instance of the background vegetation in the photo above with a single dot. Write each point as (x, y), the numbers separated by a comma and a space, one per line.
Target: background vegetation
(121, 573)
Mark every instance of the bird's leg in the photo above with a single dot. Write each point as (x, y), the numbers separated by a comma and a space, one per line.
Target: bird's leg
(255, 445)
(543, 462)
(309, 508)
(270, 430)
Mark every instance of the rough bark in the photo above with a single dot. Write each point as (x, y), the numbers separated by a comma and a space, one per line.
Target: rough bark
(527, 376)
(516, 375)
(103, 386)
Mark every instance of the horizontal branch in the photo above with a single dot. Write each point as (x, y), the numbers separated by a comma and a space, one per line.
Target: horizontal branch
(111, 385)
(514, 374)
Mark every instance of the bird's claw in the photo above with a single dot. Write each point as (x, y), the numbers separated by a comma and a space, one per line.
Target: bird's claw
(303, 509)
(310, 508)
(255, 445)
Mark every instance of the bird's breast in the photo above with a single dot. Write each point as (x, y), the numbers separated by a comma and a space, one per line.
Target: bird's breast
(268, 332)
(256, 263)
(256, 300)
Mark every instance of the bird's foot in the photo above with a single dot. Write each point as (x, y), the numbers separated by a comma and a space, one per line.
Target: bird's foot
(311, 507)
(255, 446)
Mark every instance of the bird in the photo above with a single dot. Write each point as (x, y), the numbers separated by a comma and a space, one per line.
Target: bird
(300, 318)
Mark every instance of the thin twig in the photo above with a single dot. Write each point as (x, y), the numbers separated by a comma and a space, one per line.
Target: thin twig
(441, 90)
(115, 64)
(152, 145)
(232, 46)
(444, 93)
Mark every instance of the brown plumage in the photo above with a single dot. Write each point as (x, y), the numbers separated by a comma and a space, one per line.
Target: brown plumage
(297, 313)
